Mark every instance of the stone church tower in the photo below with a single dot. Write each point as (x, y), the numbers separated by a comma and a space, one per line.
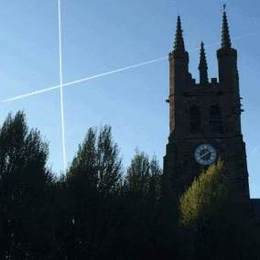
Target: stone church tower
(205, 117)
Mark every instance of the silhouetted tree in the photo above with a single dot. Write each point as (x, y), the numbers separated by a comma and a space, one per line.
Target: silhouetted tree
(24, 182)
(138, 175)
(98, 160)
(94, 212)
(91, 185)
(142, 194)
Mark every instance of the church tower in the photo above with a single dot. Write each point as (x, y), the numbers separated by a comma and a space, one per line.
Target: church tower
(205, 117)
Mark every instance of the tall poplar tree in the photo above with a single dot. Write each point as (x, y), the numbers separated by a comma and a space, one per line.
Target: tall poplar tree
(24, 184)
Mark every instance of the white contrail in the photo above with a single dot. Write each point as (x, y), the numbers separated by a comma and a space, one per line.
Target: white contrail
(33, 93)
(115, 71)
(61, 88)
(71, 83)
(37, 92)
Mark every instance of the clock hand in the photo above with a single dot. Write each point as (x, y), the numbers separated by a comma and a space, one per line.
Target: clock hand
(205, 154)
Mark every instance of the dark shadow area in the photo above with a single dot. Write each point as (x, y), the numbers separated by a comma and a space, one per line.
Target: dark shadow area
(96, 211)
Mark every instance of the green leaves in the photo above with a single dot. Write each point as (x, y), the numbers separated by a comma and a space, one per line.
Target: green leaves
(216, 218)
(206, 197)
(94, 212)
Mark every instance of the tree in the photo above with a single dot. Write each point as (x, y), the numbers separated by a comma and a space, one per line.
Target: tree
(90, 191)
(141, 198)
(138, 174)
(144, 176)
(98, 160)
(215, 225)
(24, 182)
(205, 198)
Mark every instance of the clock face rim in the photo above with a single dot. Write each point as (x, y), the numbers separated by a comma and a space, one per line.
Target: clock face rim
(209, 161)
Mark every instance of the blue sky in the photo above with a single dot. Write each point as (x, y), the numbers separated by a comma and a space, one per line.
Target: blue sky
(104, 35)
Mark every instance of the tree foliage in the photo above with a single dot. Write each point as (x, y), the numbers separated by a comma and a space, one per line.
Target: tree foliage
(207, 196)
(96, 211)
(24, 184)
(216, 226)
(98, 161)
(143, 175)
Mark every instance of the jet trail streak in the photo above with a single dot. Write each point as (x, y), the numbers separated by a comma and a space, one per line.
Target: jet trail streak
(64, 154)
(75, 82)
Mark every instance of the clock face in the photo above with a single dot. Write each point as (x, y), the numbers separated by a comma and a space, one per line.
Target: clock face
(205, 154)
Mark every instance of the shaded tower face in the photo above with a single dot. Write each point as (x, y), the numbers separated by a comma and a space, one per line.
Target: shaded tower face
(205, 120)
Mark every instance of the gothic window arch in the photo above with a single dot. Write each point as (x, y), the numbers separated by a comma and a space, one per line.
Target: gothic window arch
(195, 119)
(215, 119)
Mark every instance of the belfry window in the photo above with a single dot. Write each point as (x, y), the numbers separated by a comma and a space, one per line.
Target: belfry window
(195, 119)
(215, 120)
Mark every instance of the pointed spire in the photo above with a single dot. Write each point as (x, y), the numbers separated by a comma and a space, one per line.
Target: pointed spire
(203, 66)
(225, 39)
(179, 41)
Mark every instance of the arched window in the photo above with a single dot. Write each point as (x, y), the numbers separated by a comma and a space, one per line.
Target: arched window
(195, 119)
(215, 120)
